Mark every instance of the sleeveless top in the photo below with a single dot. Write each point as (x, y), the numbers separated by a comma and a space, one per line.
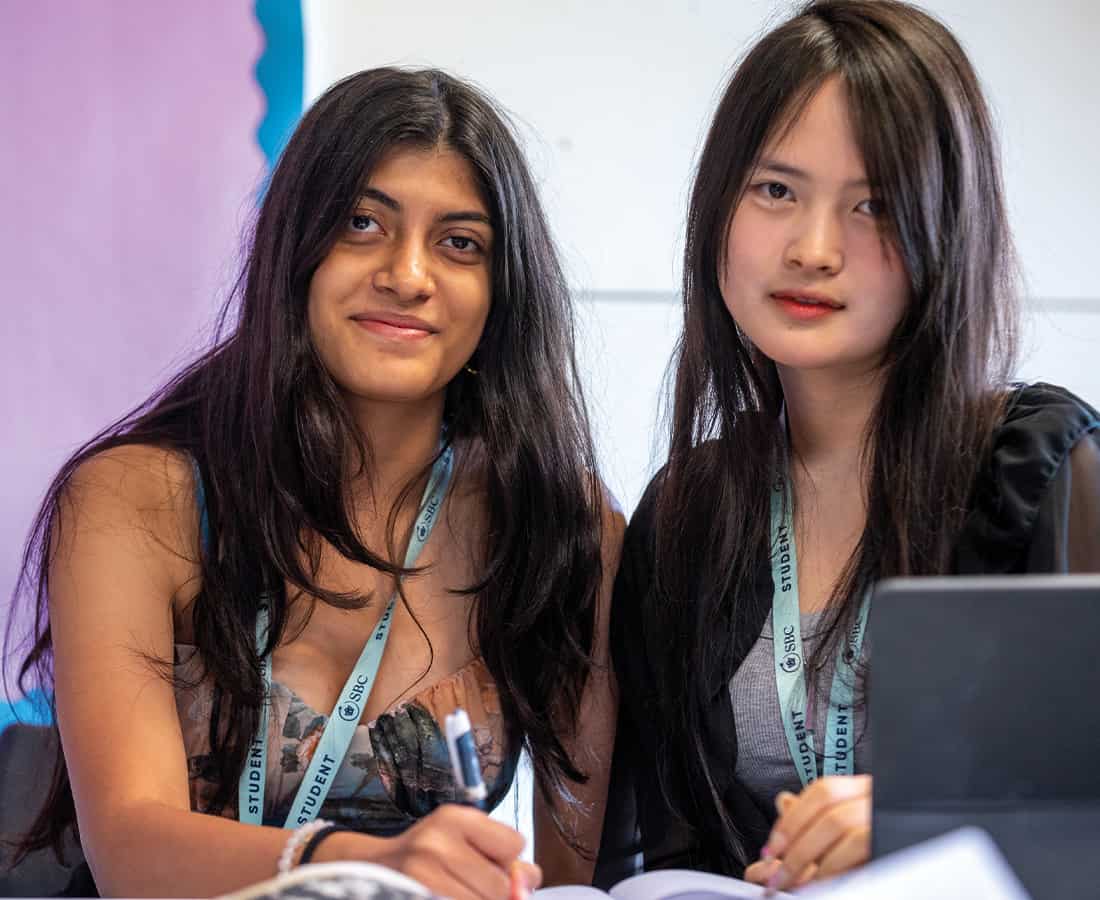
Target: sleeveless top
(397, 768)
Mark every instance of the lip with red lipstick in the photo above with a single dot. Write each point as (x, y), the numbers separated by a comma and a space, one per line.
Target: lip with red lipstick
(394, 326)
(806, 305)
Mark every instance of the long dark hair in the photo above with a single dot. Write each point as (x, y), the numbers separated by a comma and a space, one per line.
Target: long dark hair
(275, 443)
(930, 151)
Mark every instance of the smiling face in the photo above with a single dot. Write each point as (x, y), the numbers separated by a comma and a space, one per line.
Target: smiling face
(398, 305)
(808, 275)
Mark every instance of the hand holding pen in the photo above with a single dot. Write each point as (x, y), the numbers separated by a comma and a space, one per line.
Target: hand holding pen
(471, 791)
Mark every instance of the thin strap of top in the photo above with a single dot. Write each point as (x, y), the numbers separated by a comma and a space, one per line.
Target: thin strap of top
(200, 501)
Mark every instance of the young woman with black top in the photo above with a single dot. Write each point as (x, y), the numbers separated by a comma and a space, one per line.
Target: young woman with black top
(842, 412)
(387, 450)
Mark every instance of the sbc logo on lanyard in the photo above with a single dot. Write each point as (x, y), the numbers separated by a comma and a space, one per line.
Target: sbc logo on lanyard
(791, 661)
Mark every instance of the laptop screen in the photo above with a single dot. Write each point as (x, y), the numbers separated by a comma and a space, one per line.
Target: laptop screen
(984, 706)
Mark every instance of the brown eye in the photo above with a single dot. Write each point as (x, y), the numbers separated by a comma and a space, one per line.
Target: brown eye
(462, 243)
(777, 190)
(871, 207)
(361, 223)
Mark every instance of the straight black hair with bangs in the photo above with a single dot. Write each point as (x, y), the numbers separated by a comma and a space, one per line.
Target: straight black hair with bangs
(931, 156)
(276, 446)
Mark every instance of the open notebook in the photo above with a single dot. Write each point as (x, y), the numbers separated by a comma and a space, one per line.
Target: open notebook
(365, 881)
(664, 884)
(962, 865)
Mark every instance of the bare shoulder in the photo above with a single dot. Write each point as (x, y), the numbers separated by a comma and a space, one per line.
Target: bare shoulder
(612, 529)
(612, 523)
(132, 498)
(133, 484)
(140, 472)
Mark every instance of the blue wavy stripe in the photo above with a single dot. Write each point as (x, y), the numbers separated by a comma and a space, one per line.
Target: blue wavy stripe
(32, 710)
(280, 73)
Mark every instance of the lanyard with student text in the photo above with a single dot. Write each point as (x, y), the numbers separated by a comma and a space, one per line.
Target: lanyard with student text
(790, 679)
(340, 727)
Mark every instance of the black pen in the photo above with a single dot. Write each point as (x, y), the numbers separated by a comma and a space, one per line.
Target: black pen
(463, 752)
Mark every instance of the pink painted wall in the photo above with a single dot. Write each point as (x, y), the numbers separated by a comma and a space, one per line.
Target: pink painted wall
(128, 169)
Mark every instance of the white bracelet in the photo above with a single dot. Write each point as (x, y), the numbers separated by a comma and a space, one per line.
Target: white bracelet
(288, 859)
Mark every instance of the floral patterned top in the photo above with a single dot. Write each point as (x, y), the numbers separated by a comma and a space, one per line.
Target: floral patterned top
(397, 768)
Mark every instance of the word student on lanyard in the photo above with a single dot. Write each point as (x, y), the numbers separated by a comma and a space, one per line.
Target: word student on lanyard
(790, 677)
(340, 727)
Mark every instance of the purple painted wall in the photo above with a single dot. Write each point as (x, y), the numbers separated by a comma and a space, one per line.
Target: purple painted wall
(128, 166)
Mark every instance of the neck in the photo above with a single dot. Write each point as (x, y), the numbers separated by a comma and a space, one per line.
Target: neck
(828, 415)
(403, 438)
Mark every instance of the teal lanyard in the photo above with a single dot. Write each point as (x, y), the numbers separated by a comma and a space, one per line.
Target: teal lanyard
(340, 727)
(790, 678)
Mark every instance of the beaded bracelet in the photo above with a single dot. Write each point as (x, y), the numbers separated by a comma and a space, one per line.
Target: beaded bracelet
(288, 859)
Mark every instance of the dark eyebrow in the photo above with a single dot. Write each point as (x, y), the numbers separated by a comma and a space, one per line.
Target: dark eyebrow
(773, 165)
(382, 197)
(469, 215)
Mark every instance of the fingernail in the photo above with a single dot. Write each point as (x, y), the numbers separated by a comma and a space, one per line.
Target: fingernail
(778, 880)
(776, 845)
(782, 799)
(767, 852)
(518, 889)
(533, 878)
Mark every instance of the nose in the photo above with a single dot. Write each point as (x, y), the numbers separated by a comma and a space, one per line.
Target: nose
(405, 272)
(817, 244)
